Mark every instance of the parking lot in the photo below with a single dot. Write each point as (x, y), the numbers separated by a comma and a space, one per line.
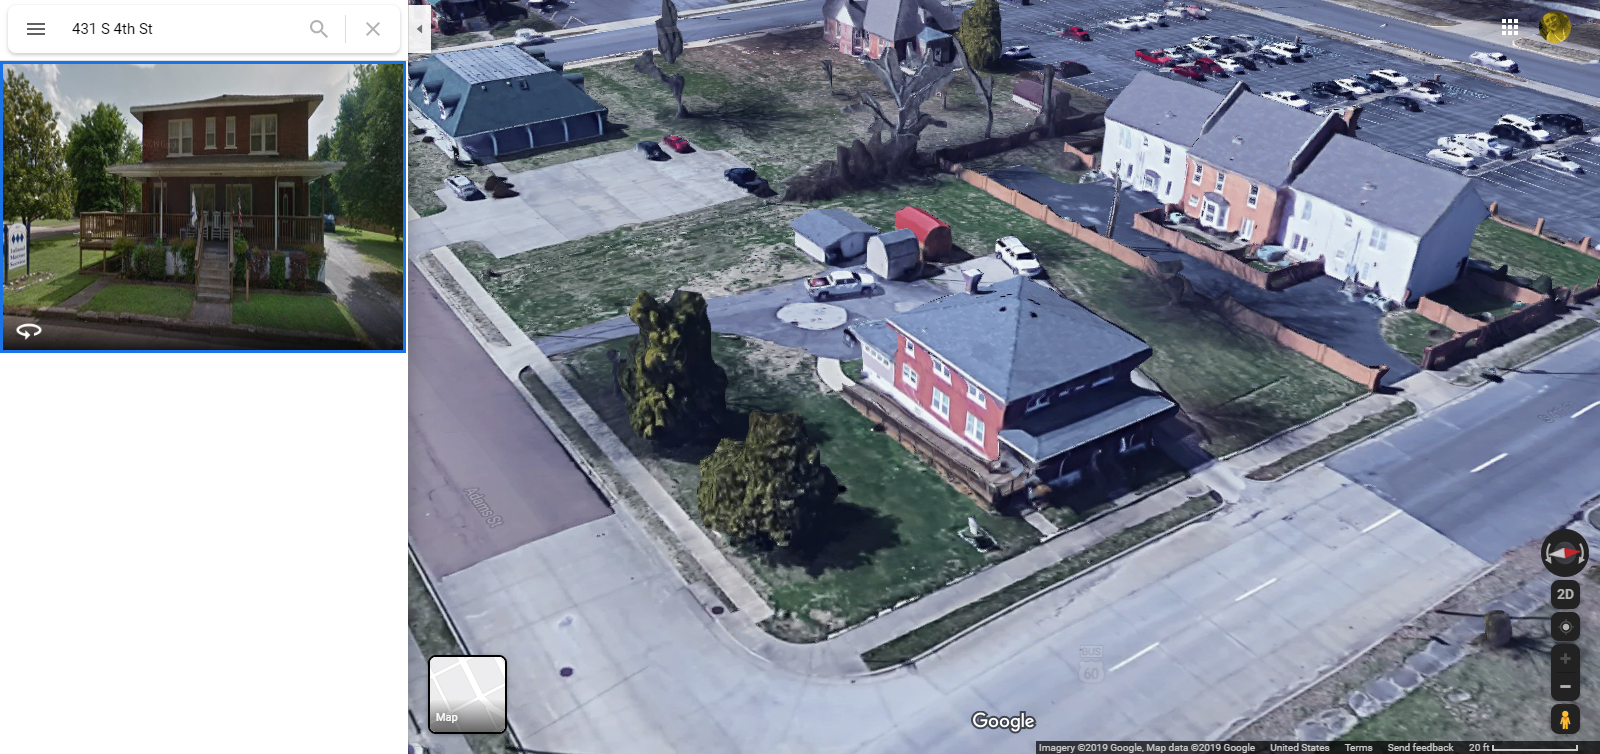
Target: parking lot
(1570, 204)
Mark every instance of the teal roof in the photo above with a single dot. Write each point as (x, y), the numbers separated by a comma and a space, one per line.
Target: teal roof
(488, 89)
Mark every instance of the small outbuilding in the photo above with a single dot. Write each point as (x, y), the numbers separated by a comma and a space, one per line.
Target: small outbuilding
(933, 235)
(831, 236)
(894, 255)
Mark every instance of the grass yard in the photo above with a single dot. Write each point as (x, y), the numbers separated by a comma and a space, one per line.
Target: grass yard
(285, 311)
(57, 260)
(1343, 438)
(1409, 333)
(385, 253)
(133, 298)
(909, 646)
(894, 534)
(1530, 256)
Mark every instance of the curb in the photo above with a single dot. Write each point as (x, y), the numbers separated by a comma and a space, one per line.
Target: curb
(1415, 413)
(630, 23)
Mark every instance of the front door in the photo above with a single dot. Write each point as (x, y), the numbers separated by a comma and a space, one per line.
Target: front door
(286, 209)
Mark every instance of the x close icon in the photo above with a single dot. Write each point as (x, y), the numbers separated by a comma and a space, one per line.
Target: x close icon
(372, 29)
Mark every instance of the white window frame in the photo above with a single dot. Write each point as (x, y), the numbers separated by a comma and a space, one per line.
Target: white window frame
(976, 396)
(974, 430)
(908, 375)
(259, 137)
(940, 369)
(1166, 155)
(180, 134)
(911, 348)
(229, 139)
(1247, 228)
(1255, 191)
(1379, 239)
(1199, 172)
(1209, 215)
(211, 133)
(1221, 181)
(939, 402)
(1305, 209)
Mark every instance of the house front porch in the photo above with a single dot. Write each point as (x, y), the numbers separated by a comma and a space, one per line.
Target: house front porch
(266, 201)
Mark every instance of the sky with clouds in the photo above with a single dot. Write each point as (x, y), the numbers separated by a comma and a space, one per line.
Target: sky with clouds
(75, 89)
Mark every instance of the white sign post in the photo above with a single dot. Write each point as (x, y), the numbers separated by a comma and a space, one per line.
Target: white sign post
(16, 246)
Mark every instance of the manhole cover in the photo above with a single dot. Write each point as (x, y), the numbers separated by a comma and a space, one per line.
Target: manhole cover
(813, 316)
(566, 672)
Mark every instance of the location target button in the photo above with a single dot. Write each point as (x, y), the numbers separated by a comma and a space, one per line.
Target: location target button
(1564, 626)
(1565, 553)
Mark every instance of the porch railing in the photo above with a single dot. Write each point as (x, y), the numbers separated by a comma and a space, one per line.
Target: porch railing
(99, 230)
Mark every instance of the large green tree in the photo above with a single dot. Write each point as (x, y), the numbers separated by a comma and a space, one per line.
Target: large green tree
(676, 393)
(766, 490)
(369, 137)
(98, 140)
(324, 152)
(37, 183)
(980, 33)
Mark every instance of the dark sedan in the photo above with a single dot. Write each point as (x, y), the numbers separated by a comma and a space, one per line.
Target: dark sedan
(651, 151)
(1513, 136)
(1560, 122)
(1405, 103)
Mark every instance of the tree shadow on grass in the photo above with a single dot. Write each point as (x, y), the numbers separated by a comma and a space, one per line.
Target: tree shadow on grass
(846, 537)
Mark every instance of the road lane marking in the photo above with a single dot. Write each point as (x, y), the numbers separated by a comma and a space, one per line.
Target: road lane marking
(1382, 521)
(1136, 656)
(1585, 409)
(1270, 582)
(1488, 463)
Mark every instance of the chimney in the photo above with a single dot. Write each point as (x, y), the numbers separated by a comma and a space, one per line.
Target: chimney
(970, 280)
(1228, 99)
(1352, 114)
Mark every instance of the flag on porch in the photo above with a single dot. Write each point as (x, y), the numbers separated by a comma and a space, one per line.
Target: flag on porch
(194, 219)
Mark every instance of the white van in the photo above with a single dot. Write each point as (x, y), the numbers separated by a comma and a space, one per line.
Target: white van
(1526, 126)
(1017, 256)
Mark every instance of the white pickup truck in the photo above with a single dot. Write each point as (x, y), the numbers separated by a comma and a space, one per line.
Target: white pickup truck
(839, 283)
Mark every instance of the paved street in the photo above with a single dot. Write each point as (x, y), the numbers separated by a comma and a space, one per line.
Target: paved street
(380, 313)
(1506, 466)
(478, 452)
(59, 334)
(637, 38)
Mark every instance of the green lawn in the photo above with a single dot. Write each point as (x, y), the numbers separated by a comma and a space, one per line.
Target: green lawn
(58, 259)
(909, 646)
(894, 535)
(286, 311)
(1348, 436)
(1530, 256)
(381, 248)
(133, 298)
(1409, 333)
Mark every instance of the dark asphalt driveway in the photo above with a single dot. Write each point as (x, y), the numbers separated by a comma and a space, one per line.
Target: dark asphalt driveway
(352, 279)
(58, 334)
(486, 475)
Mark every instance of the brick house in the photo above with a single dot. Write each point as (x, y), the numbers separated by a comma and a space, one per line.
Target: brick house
(1016, 373)
(870, 27)
(1150, 127)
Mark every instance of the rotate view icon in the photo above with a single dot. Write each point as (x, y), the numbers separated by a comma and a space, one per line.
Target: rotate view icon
(1565, 553)
(28, 330)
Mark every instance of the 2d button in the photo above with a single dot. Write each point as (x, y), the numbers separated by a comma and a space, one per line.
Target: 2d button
(1564, 627)
(1564, 594)
(1565, 553)
(1564, 718)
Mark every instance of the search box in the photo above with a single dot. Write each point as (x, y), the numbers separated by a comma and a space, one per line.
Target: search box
(175, 30)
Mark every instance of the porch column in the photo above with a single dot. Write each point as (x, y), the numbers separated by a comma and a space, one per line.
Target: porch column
(277, 197)
(161, 212)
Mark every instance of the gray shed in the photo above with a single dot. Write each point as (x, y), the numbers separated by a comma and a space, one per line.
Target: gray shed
(831, 236)
(894, 255)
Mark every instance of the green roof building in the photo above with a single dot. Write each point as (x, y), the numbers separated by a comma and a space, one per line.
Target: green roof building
(490, 102)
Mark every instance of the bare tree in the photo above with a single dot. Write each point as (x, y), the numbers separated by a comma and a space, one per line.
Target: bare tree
(1047, 101)
(909, 91)
(669, 41)
(827, 68)
(983, 85)
(646, 64)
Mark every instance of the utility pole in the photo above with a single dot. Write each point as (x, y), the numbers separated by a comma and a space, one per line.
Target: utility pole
(1116, 199)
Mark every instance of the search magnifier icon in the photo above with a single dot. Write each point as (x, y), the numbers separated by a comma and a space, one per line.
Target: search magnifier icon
(316, 28)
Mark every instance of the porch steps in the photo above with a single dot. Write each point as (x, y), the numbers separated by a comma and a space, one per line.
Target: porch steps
(215, 285)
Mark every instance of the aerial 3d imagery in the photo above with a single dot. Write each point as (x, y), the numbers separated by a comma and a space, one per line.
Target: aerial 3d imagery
(881, 376)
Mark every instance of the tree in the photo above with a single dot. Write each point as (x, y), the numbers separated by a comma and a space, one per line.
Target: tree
(827, 68)
(766, 490)
(676, 393)
(980, 33)
(909, 93)
(37, 182)
(669, 42)
(984, 87)
(95, 142)
(370, 140)
(324, 152)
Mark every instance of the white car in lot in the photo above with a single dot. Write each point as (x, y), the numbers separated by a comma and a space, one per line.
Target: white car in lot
(1017, 256)
(1353, 86)
(1205, 49)
(1426, 95)
(1155, 19)
(1455, 156)
(1249, 39)
(1284, 50)
(1180, 54)
(1016, 53)
(1480, 144)
(1391, 76)
(1291, 99)
(1229, 64)
(1526, 126)
(1126, 24)
(1556, 161)
(1495, 60)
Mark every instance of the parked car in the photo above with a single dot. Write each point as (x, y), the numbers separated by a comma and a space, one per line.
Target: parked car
(1017, 256)
(1289, 98)
(1426, 95)
(1076, 33)
(651, 151)
(1495, 60)
(1207, 66)
(1556, 161)
(1480, 144)
(463, 187)
(1155, 19)
(1180, 54)
(1284, 50)
(1207, 38)
(1144, 21)
(1189, 72)
(1230, 64)
(744, 178)
(1429, 85)
(1155, 58)
(531, 37)
(1389, 76)
(1560, 123)
(1175, 12)
(327, 223)
(1352, 87)
(1330, 88)
(1526, 126)
(839, 283)
(1272, 55)
(1404, 102)
(1126, 24)
(1455, 156)
(1250, 40)
(1515, 137)
(676, 143)
(1018, 52)
(1196, 11)
(1375, 84)
(1205, 49)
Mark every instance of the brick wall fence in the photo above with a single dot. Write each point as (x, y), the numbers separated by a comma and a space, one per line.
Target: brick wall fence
(1489, 335)
(1585, 246)
(1149, 223)
(1349, 368)
(1088, 151)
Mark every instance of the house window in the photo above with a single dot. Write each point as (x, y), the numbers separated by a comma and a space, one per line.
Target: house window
(1127, 137)
(1194, 201)
(180, 137)
(263, 134)
(1305, 208)
(939, 368)
(240, 198)
(908, 375)
(1379, 239)
(1038, 401)
(211, 133)
(1166, 156)
(1197, 171)
(974, 431)
(940, 403)
(228, 139)
(1255, 191)
(1169, 188)
(911, 348)
(1247, 228)
(976, 396)
(1220, 178)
